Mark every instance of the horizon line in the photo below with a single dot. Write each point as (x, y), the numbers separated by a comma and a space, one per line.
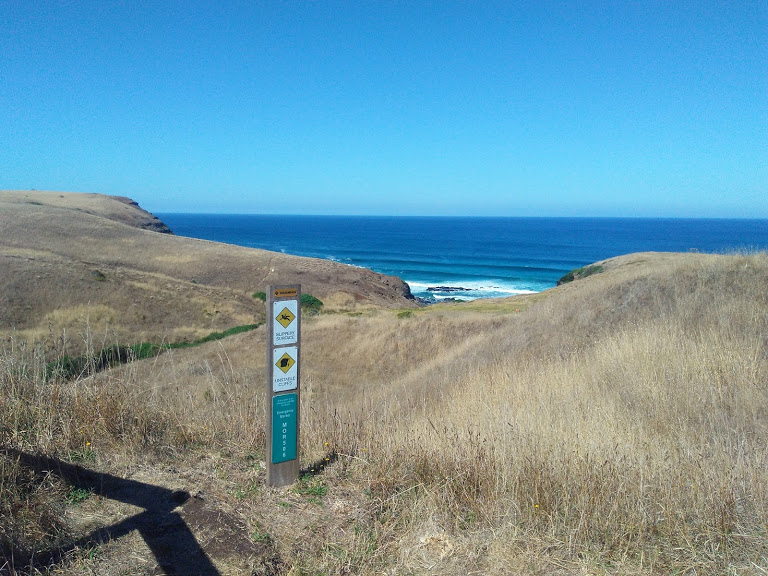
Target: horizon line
(447, 216)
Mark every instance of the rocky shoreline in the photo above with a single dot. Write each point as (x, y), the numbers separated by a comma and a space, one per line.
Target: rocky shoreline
(442, 289)
(448, 289)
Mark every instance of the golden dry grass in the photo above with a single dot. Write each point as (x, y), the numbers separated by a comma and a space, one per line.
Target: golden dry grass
(64, 256)
(615, 425)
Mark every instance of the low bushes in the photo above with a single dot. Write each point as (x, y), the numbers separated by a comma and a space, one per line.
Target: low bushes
(69, 367)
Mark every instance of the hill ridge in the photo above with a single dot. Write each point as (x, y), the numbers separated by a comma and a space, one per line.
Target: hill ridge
(63, 254)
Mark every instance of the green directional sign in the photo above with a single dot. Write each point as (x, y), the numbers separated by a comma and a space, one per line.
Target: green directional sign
(284, 427)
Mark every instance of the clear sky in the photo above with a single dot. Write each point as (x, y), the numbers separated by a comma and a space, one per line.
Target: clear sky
(452, 107)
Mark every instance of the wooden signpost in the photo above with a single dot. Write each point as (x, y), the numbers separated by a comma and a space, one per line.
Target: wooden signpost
(283, 390)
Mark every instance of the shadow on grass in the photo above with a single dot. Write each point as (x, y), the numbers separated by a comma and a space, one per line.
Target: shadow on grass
(319, 465)
(175, 548)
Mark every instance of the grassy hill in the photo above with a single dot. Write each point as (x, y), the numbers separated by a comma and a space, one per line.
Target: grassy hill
(67, 260)
(616, 424)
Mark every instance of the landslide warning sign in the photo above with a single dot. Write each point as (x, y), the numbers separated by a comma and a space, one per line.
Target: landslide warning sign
(286, 375)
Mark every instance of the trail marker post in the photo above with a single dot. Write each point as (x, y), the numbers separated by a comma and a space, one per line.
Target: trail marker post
(283, 393)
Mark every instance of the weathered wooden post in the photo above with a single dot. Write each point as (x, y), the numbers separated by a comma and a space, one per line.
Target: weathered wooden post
(283, 390)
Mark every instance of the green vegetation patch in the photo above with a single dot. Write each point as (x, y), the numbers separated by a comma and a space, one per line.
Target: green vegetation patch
(247, 491)
(213, 336)
(69, 367)
(261, 535)
(579, 273)
(310, 305)
(77, 496)
(312, 488)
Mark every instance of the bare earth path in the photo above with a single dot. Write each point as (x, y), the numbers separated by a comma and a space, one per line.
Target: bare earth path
(152, 521)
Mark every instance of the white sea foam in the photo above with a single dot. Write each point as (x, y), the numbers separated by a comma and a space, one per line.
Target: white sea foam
(468, 289)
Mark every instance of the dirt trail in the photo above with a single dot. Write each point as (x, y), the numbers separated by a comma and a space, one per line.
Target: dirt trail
(152, 522)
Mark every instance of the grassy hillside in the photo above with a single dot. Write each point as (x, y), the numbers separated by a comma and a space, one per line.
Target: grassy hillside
(74, 260)
(617, 424)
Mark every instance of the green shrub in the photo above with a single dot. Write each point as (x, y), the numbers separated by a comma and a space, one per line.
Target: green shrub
(73, 366)
(69, 367)
(214, 336)
(310, 304)
(579, 273)
(145, 350)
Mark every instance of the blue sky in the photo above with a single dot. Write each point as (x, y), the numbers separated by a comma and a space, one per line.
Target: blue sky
(623, 108)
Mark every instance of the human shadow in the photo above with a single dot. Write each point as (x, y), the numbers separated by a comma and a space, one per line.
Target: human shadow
(170, 540)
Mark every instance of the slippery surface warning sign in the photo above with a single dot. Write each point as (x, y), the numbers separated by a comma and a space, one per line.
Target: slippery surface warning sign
(286, 329)
(285, 317)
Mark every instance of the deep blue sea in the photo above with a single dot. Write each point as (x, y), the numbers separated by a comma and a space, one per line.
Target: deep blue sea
(468, 258)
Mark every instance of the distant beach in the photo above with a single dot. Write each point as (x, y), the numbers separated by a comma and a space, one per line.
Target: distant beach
(469, 258)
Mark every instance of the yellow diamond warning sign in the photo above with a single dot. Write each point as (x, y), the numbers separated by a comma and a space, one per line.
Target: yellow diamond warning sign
(285, 317)
(285, 373)
(285, 328)
(285, 363)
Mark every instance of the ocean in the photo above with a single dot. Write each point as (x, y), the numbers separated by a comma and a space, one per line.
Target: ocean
(468, 258)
